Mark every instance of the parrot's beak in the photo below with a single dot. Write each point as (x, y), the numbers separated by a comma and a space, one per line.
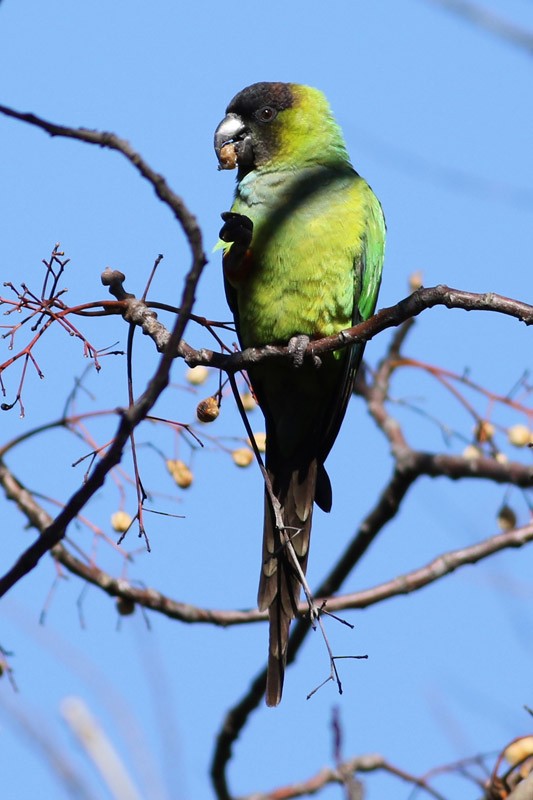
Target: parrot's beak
(232, 131)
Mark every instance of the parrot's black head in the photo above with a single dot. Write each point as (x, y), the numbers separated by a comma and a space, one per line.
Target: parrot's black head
(253, 101)
(252, 127)
(282, 125)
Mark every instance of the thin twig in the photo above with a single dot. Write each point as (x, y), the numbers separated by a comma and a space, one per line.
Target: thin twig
(330, 775)
(487, 20)
(132, 416)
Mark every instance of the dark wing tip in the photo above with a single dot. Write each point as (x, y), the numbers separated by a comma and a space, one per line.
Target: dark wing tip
(323, 491)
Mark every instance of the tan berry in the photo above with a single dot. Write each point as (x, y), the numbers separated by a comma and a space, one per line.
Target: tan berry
(243, 456)
(207, 410)
(197, 375)
(180, 472)
(227, 156)
(415, 280)
(121, 521)
(519, 435)
(471, 452)
(248, 401)
(484, 431)
(519, 750)
(260, 440)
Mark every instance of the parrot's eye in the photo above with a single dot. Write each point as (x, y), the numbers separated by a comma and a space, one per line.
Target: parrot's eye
(266, 114)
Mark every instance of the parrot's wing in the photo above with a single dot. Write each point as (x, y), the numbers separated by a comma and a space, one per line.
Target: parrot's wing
(373, 255)
(231, 299)
(367, 269)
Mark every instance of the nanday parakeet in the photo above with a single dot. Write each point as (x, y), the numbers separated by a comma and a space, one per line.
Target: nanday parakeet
(303, 254)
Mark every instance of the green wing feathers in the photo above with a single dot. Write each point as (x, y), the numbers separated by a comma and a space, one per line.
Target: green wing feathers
(373, 253)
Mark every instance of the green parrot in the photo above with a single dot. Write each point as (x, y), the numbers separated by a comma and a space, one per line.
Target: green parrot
(303, 255)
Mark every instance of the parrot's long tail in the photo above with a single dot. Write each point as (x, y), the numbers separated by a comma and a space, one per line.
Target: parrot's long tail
(280, 584)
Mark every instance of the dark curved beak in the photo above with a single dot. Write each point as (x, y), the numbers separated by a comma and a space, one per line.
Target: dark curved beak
(233, 130)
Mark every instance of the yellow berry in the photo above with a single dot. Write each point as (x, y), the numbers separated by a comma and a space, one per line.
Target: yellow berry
(243, 456)
(180, 472)
(415, 280)
(471, 452)
(519, 435)
(519, 750)
(248, 401)
(208, 410)
(260, 440)
(121, 521)
(197, 375)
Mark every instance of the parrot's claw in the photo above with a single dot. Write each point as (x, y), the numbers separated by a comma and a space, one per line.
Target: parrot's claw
(297, 347)
(237, 228)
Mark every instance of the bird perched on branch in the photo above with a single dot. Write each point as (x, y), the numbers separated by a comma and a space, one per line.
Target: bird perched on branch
(303, 253)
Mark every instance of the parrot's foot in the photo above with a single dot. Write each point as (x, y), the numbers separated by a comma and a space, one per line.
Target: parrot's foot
(237, 228)
(297, 347)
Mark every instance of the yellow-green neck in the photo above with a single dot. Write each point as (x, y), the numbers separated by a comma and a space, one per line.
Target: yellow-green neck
(309, 133)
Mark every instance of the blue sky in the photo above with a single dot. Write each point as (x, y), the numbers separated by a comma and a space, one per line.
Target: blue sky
(437, 118)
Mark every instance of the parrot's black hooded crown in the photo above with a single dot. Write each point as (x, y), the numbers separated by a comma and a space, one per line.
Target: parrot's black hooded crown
(259, 95)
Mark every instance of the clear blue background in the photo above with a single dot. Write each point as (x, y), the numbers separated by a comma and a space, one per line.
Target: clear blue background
(437, 116)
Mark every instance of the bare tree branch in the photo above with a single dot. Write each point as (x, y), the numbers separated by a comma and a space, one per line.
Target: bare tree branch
(409, 466)
(139, 313)
(154, 600)
(443, 565)
(131, 416)
(489, 21)
(410, 307)
(364, 763)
